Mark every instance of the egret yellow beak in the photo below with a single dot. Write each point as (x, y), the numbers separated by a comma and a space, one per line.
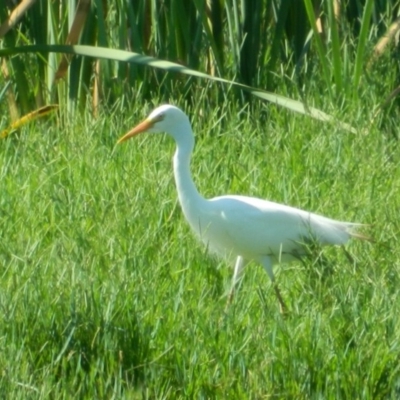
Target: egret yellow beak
(142, 127)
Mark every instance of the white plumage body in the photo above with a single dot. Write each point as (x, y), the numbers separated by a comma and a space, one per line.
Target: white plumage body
(255, 228)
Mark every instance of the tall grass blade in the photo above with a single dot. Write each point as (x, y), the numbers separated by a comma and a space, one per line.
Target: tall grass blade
(362, 44)
(232, 36)
(278, 36)
(321, 50)
(210, 37)
(75, 31)
(250, 49)
(336, 54)
(168, 66)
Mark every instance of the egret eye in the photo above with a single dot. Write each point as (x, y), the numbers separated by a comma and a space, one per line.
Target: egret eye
(159, 117)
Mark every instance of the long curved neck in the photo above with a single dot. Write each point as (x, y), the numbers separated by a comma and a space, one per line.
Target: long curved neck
(187, 192)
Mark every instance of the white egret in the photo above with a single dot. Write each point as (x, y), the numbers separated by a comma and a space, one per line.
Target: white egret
(245, 228)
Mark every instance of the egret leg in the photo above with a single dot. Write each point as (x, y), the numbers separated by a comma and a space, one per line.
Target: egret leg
(267, 264)
(239, 265)
(348, 255)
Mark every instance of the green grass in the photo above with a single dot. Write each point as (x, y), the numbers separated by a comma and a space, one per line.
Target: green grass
(104, 293)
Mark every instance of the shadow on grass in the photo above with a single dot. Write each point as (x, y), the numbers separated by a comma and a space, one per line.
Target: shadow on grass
(88, 355)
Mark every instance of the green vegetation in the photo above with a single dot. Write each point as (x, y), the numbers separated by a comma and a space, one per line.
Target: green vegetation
(104, 292)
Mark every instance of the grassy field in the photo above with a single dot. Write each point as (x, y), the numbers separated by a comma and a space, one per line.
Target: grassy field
(104, 293)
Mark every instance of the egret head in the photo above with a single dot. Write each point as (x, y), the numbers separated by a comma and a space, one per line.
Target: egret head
(166, 118)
